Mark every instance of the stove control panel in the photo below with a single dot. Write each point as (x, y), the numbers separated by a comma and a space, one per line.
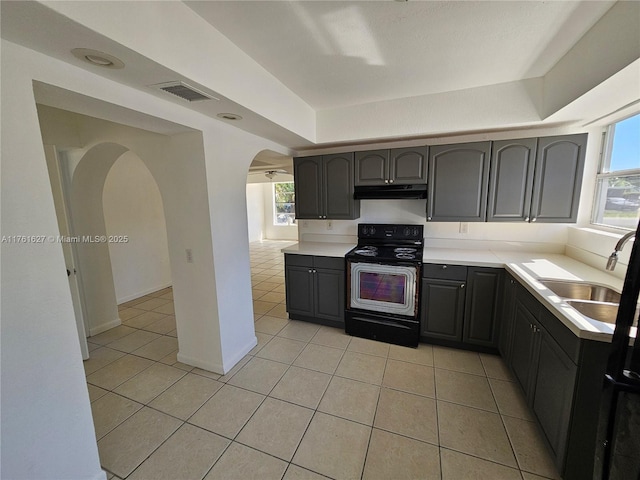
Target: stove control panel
(382, 231)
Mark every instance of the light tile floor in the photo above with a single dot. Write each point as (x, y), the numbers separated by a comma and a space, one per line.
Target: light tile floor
(308, 402)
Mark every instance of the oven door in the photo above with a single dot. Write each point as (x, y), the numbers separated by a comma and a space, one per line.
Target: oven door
(390, 289)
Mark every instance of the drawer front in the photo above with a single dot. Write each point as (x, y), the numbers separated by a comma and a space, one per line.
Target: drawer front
(444, 272)
(332, 263)
(298, 260)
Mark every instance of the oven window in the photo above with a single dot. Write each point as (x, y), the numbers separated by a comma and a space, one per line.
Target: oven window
(382, 287)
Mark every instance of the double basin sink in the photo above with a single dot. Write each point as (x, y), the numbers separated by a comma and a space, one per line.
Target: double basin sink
(591, 300)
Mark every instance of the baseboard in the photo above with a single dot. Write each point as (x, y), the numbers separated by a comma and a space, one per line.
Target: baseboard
(127, 298)
(104, 327)
(220, 369)
(240, 354)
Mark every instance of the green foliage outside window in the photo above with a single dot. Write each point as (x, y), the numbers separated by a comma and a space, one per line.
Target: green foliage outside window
(285, 203)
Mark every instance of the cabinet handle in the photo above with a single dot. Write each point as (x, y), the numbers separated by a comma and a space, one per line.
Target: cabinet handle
(462, 286)
(310, 271)
(319, 216)
(526, 219)
(386, 181)
(390, 181)
(534, 219)
(444, 267)
(429, 218)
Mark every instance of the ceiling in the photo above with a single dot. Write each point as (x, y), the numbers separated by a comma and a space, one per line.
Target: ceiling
(342, 53)
(292, 69)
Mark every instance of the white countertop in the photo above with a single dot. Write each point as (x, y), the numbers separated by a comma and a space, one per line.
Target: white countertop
(527, 267)
(319, 249)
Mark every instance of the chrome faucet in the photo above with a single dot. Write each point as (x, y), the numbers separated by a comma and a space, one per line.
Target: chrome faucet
(613, 258)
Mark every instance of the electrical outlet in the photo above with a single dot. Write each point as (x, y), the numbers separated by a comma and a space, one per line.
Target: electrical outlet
(329, 224)
(189, 255)
(464, 227)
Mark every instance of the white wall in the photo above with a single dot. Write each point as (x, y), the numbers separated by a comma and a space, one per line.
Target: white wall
(255, 211)
(46, 424)
(133, 207)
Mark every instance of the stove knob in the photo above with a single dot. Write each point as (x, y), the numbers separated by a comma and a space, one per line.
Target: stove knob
(372, 230)
(407, 231)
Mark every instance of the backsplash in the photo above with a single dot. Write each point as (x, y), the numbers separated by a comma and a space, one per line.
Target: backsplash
(549, 237)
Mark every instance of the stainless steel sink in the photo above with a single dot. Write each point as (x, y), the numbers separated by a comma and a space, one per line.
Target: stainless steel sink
(603, 312)
(582, 291)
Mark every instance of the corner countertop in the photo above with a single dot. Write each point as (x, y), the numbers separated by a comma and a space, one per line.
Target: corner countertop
(319, 249)
(526, 267)
(530, 267)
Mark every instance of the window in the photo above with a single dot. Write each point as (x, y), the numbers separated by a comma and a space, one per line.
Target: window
(284, 203)
(617, 200)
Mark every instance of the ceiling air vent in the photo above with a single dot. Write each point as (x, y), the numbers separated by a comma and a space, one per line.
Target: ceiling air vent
(184, 91)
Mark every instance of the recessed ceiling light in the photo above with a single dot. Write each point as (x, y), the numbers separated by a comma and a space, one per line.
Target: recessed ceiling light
(99, 59)
(229, 116)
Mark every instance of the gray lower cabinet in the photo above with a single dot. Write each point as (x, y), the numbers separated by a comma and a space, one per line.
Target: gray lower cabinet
(458, 178)
(461, 304)
(442, 309)
(315, 288)
(399, 166)
(483, 304)
(552, 391)
(561, 376)
(506, 324)
(324, 187)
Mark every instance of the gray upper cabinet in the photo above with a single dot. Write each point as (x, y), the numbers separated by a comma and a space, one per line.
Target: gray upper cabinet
(307, 173)
(558, 178)
(511, 180)
(458, 179)
(399, 166)
(372, 168)
(324, 187)
(408, 166)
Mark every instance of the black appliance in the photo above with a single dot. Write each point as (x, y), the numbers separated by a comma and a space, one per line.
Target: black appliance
(390, 191)
(383, 283)
(618, 446)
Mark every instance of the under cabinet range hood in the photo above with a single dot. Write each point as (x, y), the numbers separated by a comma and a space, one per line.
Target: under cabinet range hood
(389, 191)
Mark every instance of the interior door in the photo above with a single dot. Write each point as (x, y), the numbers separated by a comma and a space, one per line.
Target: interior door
(59, 186)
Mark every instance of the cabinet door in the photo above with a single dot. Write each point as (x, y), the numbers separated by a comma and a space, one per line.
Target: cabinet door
(511, 180)
(338, 187)
(442, 309)
(408, 166)
(506, 324)
(329, 294)
(553, 393)
(372, 168)
(522, 345)
(482, 306)
(558, 178)
(299, 288)
(308, 187)
(459, 178)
